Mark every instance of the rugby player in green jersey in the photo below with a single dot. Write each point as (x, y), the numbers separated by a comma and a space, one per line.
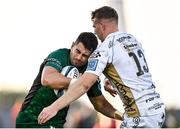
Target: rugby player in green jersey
(49, 78)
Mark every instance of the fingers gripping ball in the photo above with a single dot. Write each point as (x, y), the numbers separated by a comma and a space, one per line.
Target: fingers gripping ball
(71, 72)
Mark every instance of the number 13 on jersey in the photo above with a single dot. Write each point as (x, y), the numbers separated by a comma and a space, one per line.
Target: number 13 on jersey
(140, 61)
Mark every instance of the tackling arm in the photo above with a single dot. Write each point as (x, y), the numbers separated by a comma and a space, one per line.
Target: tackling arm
(76, 90)
(103, 106)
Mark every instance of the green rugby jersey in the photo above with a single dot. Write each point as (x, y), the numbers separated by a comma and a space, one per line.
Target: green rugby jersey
(41, 96)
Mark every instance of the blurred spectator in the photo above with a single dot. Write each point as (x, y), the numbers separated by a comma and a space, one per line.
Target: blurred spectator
(80, 116)
(172, 118)
(171, 121)
(14, 111)
(105, 122)
(7, 103)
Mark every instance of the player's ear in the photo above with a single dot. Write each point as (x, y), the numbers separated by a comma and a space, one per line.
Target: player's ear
(103, 27)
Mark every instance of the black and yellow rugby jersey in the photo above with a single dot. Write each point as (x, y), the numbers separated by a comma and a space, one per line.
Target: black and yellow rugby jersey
(120, 57)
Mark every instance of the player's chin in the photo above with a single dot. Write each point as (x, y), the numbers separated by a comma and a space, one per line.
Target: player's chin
(78, 64)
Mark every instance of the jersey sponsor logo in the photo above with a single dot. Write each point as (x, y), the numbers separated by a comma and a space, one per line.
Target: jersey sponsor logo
(95, 54)
(156, 106)
(125, 93)
(128, 42)
(127, 99)
(131, 45)
(152, 98)
(122, 39)
(111, 44)
(136, 121)
(92, 64)
(53, 60)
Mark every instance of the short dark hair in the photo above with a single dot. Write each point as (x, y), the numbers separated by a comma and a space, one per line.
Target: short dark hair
(88, 39)
(105, 12)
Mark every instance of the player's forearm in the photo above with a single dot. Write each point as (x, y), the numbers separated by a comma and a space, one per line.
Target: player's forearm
(72, 94)
(52, 78)
(113, 114)
(55, 81)
(76, 90)
(118, 115)
(108, 110)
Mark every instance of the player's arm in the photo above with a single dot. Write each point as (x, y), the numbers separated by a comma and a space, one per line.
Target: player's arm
(53, 78)
(103, 106)
(76, 90)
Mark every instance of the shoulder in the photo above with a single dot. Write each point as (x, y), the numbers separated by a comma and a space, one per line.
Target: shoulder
(62, 51)
(59, 56)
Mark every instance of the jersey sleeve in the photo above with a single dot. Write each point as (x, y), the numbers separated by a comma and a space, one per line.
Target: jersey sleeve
(95, 90)
(53, 63)
(98, 60)
(55, 60)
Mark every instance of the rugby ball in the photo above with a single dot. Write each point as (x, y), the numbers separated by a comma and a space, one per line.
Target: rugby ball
(68, 71)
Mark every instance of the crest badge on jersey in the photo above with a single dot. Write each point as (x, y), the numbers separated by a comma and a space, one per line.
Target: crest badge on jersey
(92, 64)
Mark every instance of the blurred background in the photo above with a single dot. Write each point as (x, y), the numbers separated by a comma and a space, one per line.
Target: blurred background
(31, 29)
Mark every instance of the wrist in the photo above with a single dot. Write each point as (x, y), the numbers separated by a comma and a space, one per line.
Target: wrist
(118, 115)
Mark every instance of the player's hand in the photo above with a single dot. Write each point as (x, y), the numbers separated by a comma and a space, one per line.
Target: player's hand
(118, 115)
(108, 88)
(46, 114)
